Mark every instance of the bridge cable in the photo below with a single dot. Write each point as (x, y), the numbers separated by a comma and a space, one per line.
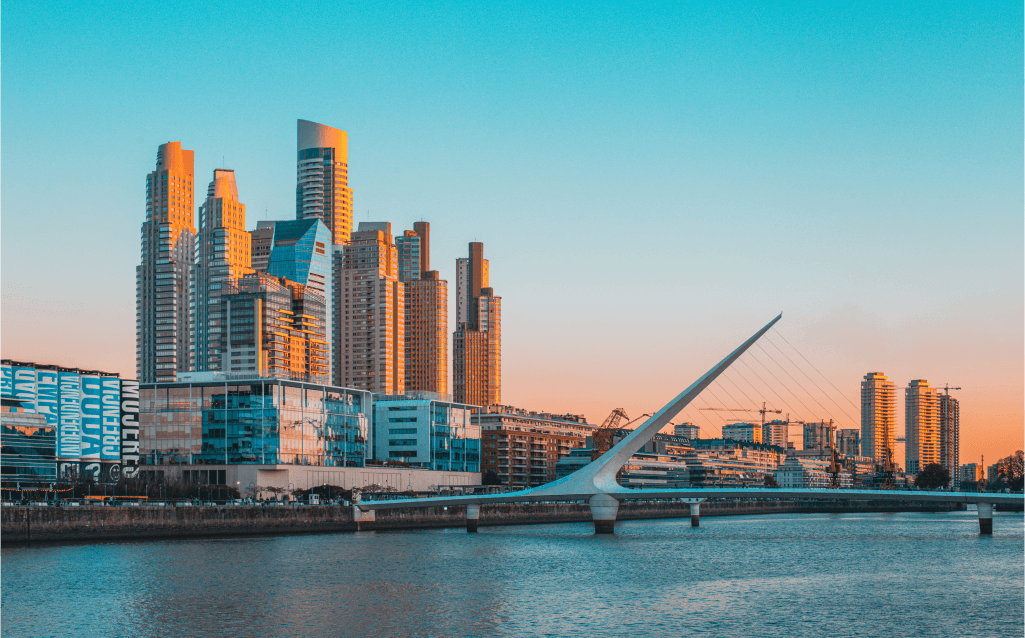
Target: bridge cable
(773, 390)
(805, 390)
(816, 369)
(813, 382)
(785, 386)
(751, 385)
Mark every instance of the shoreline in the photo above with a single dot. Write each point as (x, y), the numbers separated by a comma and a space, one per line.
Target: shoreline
(26, 526)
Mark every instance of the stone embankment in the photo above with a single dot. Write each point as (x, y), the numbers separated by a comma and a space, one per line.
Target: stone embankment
(52, 524)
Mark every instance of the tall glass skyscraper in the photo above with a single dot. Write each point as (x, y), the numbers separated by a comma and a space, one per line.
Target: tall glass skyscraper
(163, 279)
(322, 191)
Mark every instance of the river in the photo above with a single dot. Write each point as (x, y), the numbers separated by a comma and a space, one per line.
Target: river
(822, 575)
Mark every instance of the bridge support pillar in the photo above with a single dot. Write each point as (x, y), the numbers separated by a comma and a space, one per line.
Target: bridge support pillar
(985, 518)
(604, 509)
(361, 517)
(695, 510)
(472, 516)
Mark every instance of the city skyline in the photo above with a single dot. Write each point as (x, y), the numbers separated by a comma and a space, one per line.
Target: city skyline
(883, 218)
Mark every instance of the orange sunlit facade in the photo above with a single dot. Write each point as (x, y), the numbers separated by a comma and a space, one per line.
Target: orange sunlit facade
(322, 188)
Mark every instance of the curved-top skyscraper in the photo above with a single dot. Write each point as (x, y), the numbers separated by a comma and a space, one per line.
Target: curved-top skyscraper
(322, 190)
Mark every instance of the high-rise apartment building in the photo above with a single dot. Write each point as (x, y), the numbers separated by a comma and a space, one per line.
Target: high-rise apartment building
(878, 417)
(322, 189)
(426, 313)
(370, 312)
(299, 251)
(950, 434)
(776, 432)
(273, 328)
(222, 254)
(750, 432)
(921, 426)
(163, 279)
(477, 342)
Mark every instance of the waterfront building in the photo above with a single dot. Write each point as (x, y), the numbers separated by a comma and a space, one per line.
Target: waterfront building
(686, 430)
(28, 448)
(725, 462)
(222, 256)
(322, 190)
(878, 417)
(749, 432)
(259, 421)
(163, 278)
(921, 426)
(523, 447)
(424, 431)
(300, 251)
(848, 441)
(809, 473)
(971, 473)
(370, 303)
(273, 328)
(426, 313)
(477, 341)
(818, 435)
(776, 432)
(950, 434)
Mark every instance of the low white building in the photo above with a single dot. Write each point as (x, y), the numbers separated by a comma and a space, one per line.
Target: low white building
(802, 472)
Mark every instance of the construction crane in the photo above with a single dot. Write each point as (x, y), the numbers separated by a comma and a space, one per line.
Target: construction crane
(763, 411)
(601, 437)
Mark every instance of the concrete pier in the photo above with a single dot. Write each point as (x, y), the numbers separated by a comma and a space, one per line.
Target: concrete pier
(360, 517)
(695, 514)
(472, 518)
(985, 518)
(604, 509)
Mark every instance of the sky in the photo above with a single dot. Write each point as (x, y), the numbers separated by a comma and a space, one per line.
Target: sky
(651, 183)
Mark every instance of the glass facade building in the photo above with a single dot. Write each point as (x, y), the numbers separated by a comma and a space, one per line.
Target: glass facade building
(29, 448)
(425, 432)
(264, 421)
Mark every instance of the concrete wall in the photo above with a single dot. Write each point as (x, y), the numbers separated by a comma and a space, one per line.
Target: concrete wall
(47, 524)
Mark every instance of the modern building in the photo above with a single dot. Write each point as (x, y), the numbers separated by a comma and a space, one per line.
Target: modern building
(523, 447)
(28, 449)
(971, 473)
(806, 473)
(222, 256)
(370, 312)
(273, 328)
(748, 432)
(848, 441)
(477, 341)
(818, 435)
(426, 432)
(256, 421)
(921, 426)
(322, 189)
(776, 432)
(426, 313)
(878, 417)
(687, 431)
(163, 278)
(300, 251)
(950, 433)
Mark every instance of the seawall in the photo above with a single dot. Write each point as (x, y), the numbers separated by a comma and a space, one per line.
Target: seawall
(20, 525)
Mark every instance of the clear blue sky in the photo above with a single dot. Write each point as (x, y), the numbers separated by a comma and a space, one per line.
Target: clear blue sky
(651, 183)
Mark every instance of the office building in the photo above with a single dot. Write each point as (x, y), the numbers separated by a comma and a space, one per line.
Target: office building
(971, 473)
(818, 435)
(370, 312)
(921, 426)
(776, 432)
(163, 278)
(299, 251)
(878, 417)
(523, 447)
(222, 256)
(322, 189)
(426, 313)
(687, 431)
(477, 341)
(950, 433)
(729, 463)
(426, 432)
(28, 449)
(848, 442)
(807, 473)
(749, 432)
(273, 328)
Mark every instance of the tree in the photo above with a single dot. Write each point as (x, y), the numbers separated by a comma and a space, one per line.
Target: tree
(770, 482)
(1010, 472)
(932, 475)
(490, 478)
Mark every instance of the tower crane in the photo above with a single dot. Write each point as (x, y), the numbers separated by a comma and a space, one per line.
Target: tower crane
(601, 437)
(763, 411)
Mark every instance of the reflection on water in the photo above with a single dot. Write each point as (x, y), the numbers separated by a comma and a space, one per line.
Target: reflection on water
(784, 575)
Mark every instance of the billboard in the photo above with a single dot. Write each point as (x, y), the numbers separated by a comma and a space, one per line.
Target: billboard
(6, 381)
(110, 400)
(92, 417)
(69, 429)
(25, 388)
(130, 428)
(47, 402)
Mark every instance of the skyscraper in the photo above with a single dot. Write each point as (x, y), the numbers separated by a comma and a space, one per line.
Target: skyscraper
(162, 280)
(322, 189)
(300, 251)
(222, 254)
(426, 313)
(477, 342)
(878, 417)
(921, 426)
(370, 311)
(950, 435)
